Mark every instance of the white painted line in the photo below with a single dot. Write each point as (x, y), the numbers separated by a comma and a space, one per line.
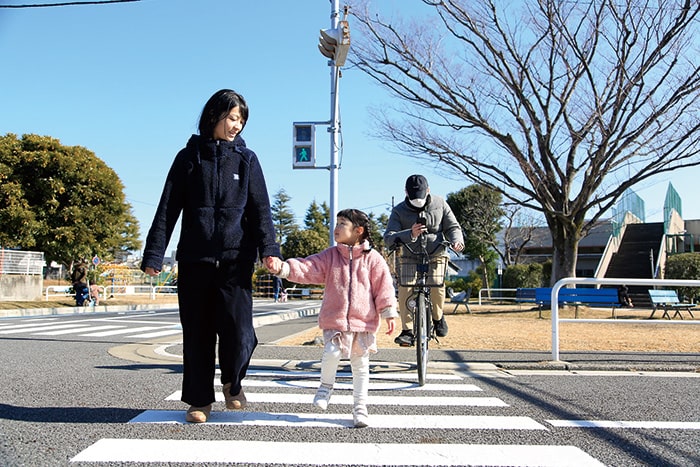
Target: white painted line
(606, 373)
(76, 330)
(43, 322)
(163, 351)
(651, 425)
(35, 328)
(120, 331)
(403, 375)
(388, 386)
(331, 420)
(262, 452)
(347, 399)
(149, 335)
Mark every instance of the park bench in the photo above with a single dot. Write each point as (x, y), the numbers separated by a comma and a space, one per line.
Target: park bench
(461, 298)
(667, 300)
(577, 297)
(525, 295)
(304, 293)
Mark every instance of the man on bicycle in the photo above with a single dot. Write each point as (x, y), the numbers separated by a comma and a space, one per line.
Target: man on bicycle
(422, 213)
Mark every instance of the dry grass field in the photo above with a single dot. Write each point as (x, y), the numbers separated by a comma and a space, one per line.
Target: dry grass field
(499, 327)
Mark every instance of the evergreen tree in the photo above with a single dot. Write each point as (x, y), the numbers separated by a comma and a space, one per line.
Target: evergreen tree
(62, 200)
(318, 219)
(282, 216)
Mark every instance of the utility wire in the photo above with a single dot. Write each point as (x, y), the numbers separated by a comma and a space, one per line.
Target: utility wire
(43, 5)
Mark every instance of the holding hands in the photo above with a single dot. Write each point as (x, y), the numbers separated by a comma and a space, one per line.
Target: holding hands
(273, 264)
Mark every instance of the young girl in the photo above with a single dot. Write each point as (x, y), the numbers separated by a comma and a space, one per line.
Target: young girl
(358, 292)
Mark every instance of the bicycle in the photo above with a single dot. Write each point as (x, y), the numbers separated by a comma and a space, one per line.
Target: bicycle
(422, 272)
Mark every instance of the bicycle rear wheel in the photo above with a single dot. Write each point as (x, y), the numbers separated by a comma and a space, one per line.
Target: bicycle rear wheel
(422, 335)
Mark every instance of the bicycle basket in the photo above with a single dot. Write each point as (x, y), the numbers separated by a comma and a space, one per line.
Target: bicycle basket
(407, 270)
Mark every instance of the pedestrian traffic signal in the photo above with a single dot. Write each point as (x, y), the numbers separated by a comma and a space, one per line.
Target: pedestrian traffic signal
(304, 156)
(335, 43)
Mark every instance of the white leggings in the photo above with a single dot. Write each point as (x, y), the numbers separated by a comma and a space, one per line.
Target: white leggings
(360, 372)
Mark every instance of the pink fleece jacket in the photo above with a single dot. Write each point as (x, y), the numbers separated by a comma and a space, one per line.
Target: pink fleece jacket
(359, 289)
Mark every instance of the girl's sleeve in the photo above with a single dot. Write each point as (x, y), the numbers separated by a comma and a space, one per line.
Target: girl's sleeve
(309, 270)
(383, 287)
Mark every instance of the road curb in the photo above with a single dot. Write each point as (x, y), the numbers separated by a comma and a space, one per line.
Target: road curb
(77, 310)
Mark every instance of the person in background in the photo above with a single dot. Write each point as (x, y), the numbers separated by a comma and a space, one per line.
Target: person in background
(276, 288)
(217, 184)
(95, 294)
(623, 296)
(422, 213)
(358, 293)
(79, 281)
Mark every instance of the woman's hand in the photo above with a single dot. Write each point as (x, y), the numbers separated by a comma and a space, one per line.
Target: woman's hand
(273, 264)
(151, 271)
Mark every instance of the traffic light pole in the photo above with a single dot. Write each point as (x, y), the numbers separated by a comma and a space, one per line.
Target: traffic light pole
(334, 128)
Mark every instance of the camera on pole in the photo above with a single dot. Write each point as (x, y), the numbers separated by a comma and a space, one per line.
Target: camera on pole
(335, 43)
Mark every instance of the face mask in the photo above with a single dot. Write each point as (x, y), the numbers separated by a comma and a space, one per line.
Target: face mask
(418, 202)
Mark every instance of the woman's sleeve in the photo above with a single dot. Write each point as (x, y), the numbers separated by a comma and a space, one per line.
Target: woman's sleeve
(166, 216)
(259, 212)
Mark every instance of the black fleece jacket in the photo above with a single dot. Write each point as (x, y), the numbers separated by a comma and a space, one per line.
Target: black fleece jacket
(220, 189)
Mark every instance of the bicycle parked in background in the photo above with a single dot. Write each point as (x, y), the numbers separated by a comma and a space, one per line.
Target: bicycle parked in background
(416, 268)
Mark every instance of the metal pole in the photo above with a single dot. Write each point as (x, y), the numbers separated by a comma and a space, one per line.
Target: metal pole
(333, 167)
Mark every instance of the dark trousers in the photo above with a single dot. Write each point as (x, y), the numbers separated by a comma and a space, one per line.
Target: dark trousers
(215, 301)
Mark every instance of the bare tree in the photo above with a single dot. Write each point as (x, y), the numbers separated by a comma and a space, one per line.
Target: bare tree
(559, 105)
(518, 229)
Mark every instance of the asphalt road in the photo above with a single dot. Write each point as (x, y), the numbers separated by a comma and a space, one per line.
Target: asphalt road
(103, 389)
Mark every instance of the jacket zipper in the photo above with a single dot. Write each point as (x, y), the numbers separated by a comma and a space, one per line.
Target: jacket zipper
(349, 289)
(217, 196)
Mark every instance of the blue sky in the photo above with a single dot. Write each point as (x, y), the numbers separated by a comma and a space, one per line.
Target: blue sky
(128, 81)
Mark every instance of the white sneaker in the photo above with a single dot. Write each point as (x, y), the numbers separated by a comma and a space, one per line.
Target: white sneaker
(323, 395)
(360, 416)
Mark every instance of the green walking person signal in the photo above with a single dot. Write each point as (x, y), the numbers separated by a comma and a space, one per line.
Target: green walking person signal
(304, 141)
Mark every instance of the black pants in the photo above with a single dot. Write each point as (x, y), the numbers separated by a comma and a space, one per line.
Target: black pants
(215, 301)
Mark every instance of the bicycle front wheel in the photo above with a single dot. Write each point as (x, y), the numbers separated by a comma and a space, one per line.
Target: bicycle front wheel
(422, 325)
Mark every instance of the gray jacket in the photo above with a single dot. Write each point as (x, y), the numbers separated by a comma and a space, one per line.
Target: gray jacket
(440, 221)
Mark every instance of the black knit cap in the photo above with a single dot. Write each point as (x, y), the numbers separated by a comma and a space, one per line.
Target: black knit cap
(416, 187)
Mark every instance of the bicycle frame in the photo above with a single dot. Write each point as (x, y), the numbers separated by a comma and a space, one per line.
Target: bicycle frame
(421, 282)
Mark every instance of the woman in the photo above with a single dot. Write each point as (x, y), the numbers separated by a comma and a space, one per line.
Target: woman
(218, 185)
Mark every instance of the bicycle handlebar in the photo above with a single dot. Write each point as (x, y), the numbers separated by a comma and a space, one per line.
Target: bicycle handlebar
(421, 249)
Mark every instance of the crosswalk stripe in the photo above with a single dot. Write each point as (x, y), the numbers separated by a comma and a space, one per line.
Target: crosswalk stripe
(120, 331)
(36, 328)
(163, 333)
(331, 420)
(288, 453)
(640, 424)
(77, 330)
(376, 386)
(27, 323)
(42, 322)
(119, 326)
(346, 374)
(347, 399)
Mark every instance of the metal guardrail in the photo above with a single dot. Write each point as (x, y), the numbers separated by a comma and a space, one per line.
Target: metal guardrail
(499, 296)
(114, 290)
(62, 290)
(609, 281)
(21, 262)
(306, 292)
